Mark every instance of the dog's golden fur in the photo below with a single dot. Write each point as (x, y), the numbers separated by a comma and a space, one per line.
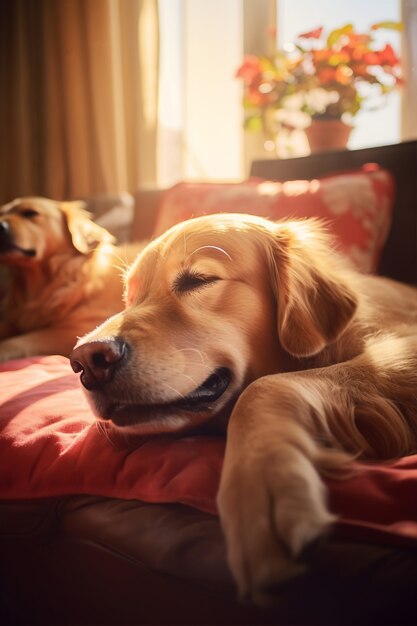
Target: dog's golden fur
(321, 367)
(65, 276)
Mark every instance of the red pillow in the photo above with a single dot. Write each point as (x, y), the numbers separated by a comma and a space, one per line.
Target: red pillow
(356, 204)
(51, 446)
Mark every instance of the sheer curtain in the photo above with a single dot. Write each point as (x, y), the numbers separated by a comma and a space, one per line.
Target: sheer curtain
(78, 96)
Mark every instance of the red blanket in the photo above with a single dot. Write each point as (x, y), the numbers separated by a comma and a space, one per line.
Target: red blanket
(50, 446)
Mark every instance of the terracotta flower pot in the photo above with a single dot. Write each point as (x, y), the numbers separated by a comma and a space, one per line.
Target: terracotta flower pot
(327, 135)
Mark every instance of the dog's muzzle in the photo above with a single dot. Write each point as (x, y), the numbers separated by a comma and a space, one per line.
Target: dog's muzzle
(7, 244)
(98, 363)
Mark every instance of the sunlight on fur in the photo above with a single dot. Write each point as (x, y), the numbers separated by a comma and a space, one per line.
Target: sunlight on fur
(262, 330)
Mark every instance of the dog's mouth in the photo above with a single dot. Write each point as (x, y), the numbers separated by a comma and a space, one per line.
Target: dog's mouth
(208, 392)
(201, 399)
(8, 247)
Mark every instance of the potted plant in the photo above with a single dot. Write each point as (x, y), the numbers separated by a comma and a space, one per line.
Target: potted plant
(319, 79)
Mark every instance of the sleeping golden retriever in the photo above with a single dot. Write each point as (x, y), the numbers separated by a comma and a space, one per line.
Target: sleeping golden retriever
(233, 316)
(64, 276)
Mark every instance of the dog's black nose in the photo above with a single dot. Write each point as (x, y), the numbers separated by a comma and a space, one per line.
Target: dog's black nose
(97, 361)
(4, 231)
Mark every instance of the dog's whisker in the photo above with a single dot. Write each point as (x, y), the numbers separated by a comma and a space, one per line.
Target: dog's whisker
(184, 239)
(99, 427)
(177, 393)
(202, 356)
(212, 248)
(106, 430)
(124, 259)
(121, 269)
(195, 383)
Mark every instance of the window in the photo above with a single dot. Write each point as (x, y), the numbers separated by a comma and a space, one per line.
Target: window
(371, 127)
(203, 43)
(200, 100)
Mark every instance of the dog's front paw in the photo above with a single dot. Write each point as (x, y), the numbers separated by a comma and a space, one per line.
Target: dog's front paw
(271, 508)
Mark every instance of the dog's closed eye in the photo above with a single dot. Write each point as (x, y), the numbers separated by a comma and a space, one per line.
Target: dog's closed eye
(190, 281)
(28, 213)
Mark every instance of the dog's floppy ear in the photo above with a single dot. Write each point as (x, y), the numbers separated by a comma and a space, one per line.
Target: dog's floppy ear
(314, 300)
(86, 235)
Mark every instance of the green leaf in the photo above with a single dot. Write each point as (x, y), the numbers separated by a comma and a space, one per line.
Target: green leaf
(253, 123)
(336, 34)
(399, 26)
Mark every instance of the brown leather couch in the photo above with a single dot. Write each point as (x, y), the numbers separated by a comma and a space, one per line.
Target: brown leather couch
(88, 560)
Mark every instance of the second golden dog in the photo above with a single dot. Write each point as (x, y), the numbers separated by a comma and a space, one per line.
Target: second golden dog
(65, 276)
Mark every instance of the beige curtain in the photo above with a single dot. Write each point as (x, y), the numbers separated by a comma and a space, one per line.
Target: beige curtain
(409, 54)
(78, 96)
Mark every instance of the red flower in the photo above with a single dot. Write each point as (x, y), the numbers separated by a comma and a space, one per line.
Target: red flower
(387, 56)
(361, 69)
(358, 53)
(372, 58)
(319, 56)
(312, 34)
(327, 75)
(357, 39)
(341, 62)
(250, 69)
(258, 99)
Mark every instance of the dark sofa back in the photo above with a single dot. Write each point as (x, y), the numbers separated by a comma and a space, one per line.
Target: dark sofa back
(399, 259)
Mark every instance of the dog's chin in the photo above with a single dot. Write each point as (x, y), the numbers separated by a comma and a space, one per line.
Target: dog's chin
(11, 252)
(201, 406)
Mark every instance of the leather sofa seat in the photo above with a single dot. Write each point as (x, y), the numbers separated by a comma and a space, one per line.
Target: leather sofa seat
(90, 560)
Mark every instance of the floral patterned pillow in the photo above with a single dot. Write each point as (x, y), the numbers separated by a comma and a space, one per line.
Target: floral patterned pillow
(356, 204)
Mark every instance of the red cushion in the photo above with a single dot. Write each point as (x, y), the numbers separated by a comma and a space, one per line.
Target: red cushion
(357, 205)
(50, 446)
